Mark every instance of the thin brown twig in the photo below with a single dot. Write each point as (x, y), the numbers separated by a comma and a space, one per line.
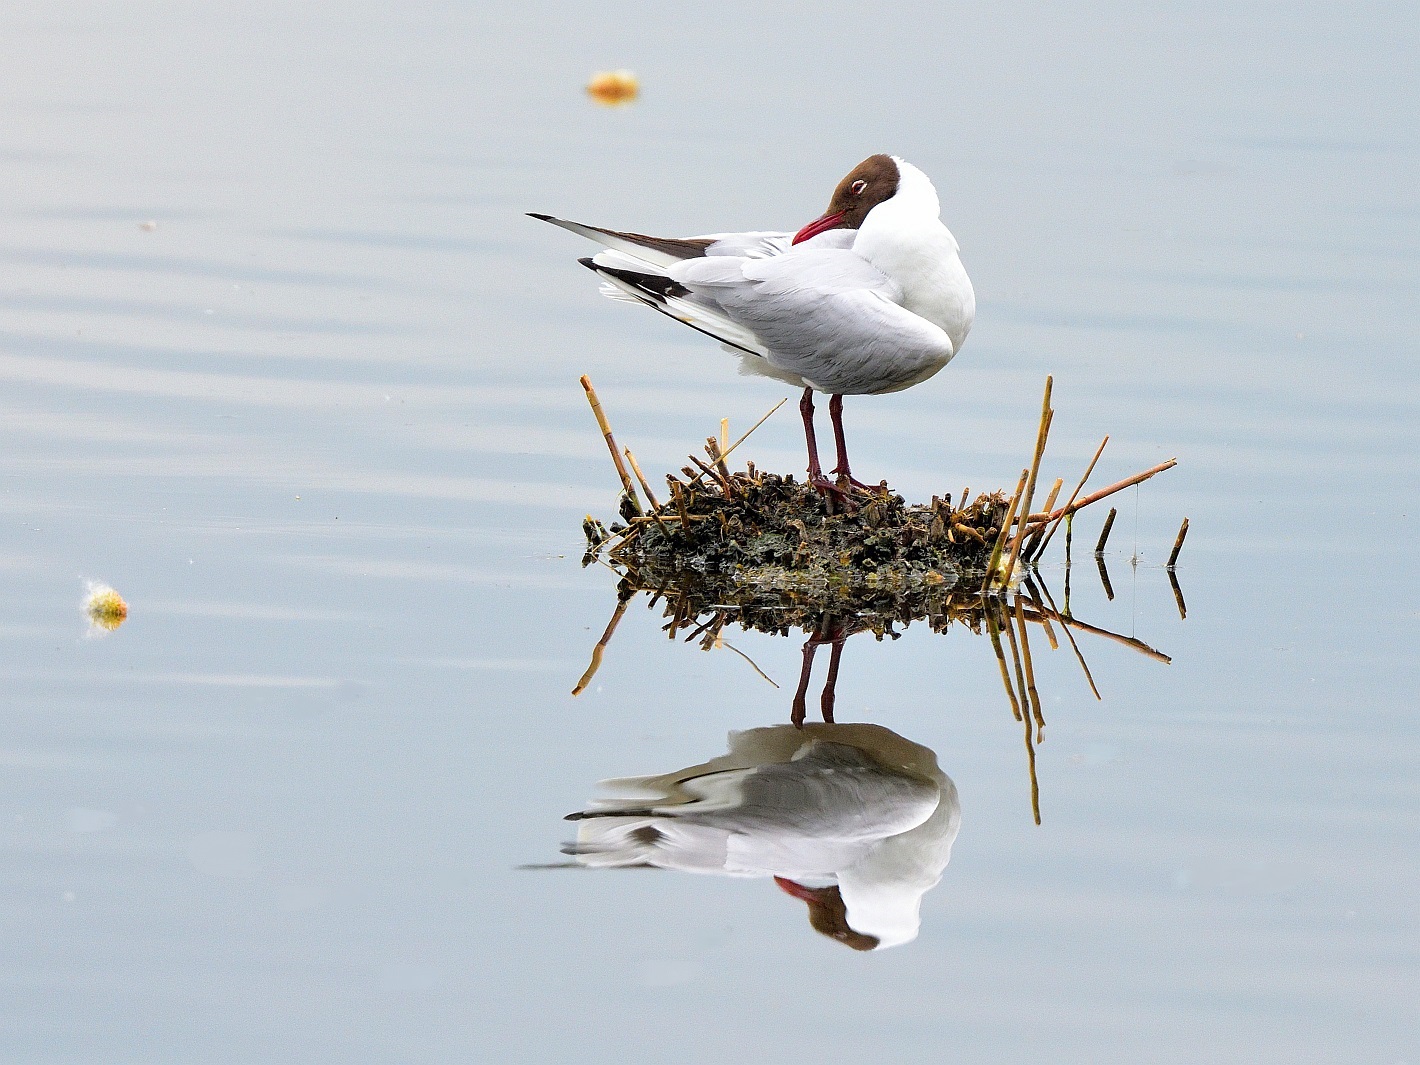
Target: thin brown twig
(1046, 417)
(752, 428)
(1104, 533)
(1001, 534)
(1178, 544)
(1033, 544)
(1054, 528)
(605, 427)
(752, 664)
(650, 496)
(1095, 497)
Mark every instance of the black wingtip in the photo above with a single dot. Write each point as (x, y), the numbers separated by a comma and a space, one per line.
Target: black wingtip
(588, 262)
(539, 217)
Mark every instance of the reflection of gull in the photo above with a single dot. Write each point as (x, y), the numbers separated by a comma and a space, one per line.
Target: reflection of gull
(854, 819)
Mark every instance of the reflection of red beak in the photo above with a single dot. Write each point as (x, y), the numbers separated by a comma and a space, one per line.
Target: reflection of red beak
(789, 887)
(813, 229)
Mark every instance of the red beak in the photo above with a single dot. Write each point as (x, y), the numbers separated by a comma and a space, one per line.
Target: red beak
(817, 226)
(789, 887)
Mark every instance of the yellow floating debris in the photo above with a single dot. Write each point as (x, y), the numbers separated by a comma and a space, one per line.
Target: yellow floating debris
(105, 607)
(613, 88)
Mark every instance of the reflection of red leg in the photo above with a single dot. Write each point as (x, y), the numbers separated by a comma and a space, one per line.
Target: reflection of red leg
(796, 717)
(817, 480)
(831, 683)
(845, 475)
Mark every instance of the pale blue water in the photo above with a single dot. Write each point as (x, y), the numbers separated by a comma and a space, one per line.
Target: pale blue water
(322, 428)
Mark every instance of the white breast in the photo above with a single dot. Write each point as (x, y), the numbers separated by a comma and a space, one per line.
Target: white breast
(904, 238)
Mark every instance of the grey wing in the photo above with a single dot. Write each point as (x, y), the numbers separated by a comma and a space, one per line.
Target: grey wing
(824, 314)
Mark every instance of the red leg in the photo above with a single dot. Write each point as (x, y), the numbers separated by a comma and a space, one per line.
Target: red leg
(796, 716)
(817, 480)
(845, 475)
(830, 685)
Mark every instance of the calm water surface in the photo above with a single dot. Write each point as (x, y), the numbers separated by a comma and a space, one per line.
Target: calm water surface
(321, 426)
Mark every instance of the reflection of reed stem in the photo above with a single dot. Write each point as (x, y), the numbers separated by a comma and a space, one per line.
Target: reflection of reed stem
(1044, 620)
(995, 630)
(1016, 662)
(1070, 636)
(1128, 641)
(1177, 595)
(610, 443)
(1030, 674)
(1104, 577)
(752, 664)
(621, 604)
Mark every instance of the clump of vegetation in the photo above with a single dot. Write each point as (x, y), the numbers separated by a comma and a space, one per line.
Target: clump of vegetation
(853, 549)
(764, 529)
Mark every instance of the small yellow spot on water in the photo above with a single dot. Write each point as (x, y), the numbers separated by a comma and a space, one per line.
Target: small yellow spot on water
(613, 88)
(105, 607)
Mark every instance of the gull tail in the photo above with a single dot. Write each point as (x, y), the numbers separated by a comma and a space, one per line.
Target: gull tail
(672, 299)
(652, 251)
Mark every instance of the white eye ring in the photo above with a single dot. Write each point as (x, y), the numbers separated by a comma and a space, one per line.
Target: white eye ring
(857, 187)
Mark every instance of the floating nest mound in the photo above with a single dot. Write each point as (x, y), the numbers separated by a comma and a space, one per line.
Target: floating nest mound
(775, 548)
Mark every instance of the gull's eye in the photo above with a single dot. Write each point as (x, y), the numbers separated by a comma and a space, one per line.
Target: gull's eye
(857, 187)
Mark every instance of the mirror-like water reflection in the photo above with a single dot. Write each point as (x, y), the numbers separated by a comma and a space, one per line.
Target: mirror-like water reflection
(854, 819)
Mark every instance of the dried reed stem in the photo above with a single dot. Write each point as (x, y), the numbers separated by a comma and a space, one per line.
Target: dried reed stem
(611, 443)
(1073, 495)
(1005, 529)
(679, 498)
(1033, 544)
(1095, 497)
(752, 428)
(1178, 544)
(1046, 416)
(650, 496)
(1104, 534)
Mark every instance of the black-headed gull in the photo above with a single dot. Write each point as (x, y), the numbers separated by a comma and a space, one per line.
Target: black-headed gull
(871, 297)
(853, 819)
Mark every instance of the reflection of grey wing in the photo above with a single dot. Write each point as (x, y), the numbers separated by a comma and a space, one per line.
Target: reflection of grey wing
(825, 314)
(830, 790)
